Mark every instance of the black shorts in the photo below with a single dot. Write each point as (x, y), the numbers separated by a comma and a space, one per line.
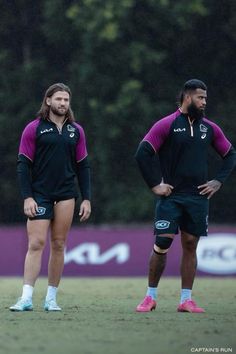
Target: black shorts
(185, 212)
(46, 207)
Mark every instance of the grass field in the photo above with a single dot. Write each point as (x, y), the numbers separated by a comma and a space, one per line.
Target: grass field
(98, 317)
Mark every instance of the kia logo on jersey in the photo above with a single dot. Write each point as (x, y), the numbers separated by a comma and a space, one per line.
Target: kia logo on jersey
(46, 131)
(179, 130)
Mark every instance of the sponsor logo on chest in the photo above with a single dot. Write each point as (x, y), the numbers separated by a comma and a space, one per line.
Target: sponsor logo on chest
(179, 130)
(46, 130)
(70, 128)
(203, 130)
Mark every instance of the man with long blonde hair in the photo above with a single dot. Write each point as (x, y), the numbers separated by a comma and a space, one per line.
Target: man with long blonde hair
(52, 154)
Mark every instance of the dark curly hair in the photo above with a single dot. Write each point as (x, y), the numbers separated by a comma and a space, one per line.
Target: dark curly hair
(191, 85)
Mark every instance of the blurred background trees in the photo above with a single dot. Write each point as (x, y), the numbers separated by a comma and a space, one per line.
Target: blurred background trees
(125, 62)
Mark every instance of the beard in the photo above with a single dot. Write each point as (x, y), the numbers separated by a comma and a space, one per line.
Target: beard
(194, 112)
(58, 112)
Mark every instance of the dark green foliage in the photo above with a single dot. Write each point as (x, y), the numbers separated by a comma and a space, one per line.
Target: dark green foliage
(125, 62)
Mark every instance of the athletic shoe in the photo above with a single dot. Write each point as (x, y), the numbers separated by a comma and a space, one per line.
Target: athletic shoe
(22, 305)
(51, 305)
(148, 304)
(190, 306)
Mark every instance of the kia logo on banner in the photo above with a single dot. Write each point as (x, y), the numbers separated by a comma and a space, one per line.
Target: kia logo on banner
(217, 254)
(89, 253)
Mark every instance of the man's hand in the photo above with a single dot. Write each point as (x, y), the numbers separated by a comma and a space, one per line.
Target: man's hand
(210, 188)
(85, 210)
(30, 207)
(163, 189)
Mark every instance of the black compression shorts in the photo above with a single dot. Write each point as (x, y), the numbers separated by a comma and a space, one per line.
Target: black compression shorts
(188, 213)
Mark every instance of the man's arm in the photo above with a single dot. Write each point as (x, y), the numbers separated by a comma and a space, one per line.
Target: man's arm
(24, 178)
(225, 149)
(211, 187)
(84, 179)
(229, 162)
(145, 157)
(148, 165)
(83, 175)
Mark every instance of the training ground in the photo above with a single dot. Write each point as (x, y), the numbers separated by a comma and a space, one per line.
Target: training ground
(99, 317)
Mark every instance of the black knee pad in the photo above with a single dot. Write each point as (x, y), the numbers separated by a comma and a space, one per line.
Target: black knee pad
(163, 243)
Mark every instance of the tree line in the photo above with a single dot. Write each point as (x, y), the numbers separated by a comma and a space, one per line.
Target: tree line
(125, 62)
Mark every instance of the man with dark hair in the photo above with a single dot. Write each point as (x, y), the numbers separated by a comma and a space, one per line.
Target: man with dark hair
(181, 142)
(52, 154)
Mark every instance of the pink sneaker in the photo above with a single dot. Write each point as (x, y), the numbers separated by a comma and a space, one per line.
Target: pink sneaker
(189, 306)
(148, 304)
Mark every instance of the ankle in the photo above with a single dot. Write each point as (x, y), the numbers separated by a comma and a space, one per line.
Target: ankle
(27, 292)
(51, 293)
(152, 291)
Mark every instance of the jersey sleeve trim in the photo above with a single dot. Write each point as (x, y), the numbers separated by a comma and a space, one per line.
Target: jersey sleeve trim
(228, 150)
(82, 158)
(25, 156)
(149, 144)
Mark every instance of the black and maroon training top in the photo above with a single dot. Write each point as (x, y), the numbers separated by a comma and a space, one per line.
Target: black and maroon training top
(182, 147)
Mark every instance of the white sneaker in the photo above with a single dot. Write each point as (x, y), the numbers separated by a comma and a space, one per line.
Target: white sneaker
(51, 305)
(22, 305)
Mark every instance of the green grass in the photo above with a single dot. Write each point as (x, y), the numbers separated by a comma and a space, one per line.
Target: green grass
(98, 317)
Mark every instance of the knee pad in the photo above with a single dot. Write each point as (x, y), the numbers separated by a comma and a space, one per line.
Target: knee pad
(162, 244)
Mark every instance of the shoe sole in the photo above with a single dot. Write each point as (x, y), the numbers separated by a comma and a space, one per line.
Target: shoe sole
(152, 309)
(52, 310)
(47, 310)
(16, 310)
(189, 311)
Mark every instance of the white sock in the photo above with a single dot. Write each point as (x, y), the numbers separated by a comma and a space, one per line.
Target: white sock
(152, 292)
(186, 294)
(51, 293)
(27, 292)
